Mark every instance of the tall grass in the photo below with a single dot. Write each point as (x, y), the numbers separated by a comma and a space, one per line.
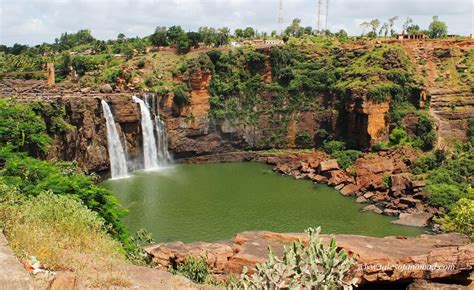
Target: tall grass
(64, 235)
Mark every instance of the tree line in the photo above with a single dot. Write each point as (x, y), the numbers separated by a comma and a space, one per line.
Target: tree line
(436, 29)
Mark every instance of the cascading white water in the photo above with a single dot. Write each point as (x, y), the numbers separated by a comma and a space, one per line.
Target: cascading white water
(118, 161)
(164, 157)
(150, 152)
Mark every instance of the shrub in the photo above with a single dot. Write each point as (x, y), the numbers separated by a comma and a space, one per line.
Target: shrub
(460, 218)
(181, 96)
(193, 268)
(304, 140)
(22, 129)
(32, 176)
(141, 63)
(312, 267)
(398, 136)
(111, 74)
(425, 132)
(444, 195)
(346, 158)
(334, 146)
(63, 234)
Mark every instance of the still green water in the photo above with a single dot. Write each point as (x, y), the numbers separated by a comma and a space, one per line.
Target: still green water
(212, 202)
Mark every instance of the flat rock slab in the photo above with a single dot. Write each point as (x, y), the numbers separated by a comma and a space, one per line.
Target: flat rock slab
(414, 219)
(12, 273)
(388, 259)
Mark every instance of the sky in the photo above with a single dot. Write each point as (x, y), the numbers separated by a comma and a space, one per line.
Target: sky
(36, 21)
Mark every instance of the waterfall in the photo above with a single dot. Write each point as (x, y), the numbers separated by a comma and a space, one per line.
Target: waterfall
(118, 161)
(164, 157)
(150, 152)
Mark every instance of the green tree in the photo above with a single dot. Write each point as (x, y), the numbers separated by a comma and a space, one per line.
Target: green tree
(239, 32)
(374, 24)
(437, 28)
(174, 33)
(194, 38)
(295, 28)
(391, 23)
(364, 25)
(182, 44)
(249, 32)
(413, 29)
(406, 24)
(158, 38)
(121, 37)
(223, 35)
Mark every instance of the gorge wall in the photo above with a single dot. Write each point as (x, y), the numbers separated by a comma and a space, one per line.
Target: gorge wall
(194, 130)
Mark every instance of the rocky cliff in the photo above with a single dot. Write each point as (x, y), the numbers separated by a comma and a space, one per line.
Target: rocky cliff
(264, 117)
(446, 68)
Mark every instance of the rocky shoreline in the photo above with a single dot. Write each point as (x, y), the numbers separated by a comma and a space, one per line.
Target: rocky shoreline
(381, 180)
(397, 260)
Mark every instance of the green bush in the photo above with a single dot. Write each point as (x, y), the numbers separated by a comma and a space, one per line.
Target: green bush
(334, 146)
(141, 63)
(311, 267)
(398, 136)
(444, 195)
(461, 218)
(21, 129)
(193, 268)
(181, 96)
(346, 158)
(32, 177)
(303, 140)
(111, 74)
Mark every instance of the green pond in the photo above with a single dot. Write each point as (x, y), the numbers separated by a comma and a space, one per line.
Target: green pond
(212, 202)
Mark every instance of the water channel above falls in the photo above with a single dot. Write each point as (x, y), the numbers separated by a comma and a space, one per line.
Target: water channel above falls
(212, 202)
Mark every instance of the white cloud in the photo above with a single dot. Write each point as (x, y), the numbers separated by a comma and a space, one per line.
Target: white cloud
(37, 21)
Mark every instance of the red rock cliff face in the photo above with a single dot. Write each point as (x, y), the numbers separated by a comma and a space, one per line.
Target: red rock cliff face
(367, 122)
(86, 141)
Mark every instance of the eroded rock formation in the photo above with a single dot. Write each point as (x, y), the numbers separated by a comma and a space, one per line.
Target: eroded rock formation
(379, 260)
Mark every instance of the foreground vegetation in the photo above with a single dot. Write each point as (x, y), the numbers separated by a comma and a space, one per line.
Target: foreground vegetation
(53, 212)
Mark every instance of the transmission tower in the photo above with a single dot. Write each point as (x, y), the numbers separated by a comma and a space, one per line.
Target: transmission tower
(319, 14)
(280, 16)
(327, 11)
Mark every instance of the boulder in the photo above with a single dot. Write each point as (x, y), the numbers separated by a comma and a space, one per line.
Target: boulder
(106, 89)
(411, 202)
(414, 219)
(400, 182)
(418, 183)
(373, 208)
(338, 177)
(391, 212)
(320, 178)
(426, 285)
(328, 165)
(349, 189)
(369, 195)
(216, 254)
(361, 199)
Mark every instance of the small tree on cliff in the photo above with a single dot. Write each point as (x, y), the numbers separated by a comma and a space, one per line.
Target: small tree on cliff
(437, 28)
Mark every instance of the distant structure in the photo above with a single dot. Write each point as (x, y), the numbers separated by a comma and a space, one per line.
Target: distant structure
(51, 78)
(326, 12)
(412, 36)
(280, 16)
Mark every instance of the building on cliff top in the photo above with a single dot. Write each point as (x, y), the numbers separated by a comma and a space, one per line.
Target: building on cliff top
(412, 36)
